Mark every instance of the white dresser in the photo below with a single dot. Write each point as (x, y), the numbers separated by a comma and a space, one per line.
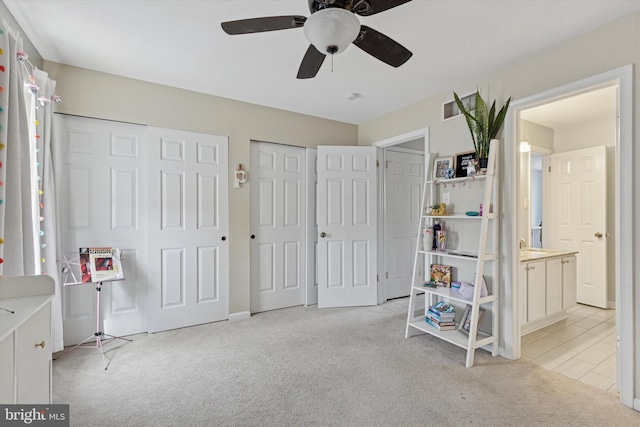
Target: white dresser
(25, 339)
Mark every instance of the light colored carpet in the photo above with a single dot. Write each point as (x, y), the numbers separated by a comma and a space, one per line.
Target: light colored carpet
(305, 366)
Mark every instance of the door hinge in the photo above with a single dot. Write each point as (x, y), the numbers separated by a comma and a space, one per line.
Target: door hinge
(377, 163)
(377, 277)
(549, 168)
(387, 276)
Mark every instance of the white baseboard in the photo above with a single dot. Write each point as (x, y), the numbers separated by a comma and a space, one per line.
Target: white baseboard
(611, 305)
(527, 328)
(636, 404)
(239, 316)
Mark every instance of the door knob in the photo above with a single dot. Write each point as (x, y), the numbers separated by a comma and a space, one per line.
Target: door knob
(224, 238)
(598, 234)
(323, 234)
(40, 344)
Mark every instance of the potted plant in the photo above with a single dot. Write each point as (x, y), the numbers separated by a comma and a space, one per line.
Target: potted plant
(483, 124)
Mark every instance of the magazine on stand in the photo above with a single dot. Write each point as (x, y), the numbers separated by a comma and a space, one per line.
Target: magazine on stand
(100, 264)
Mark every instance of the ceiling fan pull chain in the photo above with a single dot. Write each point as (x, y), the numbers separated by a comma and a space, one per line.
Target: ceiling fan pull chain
(332, 62)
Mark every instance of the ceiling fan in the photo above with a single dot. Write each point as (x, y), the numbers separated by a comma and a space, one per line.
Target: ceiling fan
(330, 28)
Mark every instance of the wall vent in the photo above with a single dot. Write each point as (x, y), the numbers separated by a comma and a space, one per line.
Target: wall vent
(450, 109)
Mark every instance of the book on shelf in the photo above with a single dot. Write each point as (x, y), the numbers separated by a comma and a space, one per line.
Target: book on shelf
(441, 315)
(441, 312)
(443, 307)
(441, 322)
(440, 327)
(440, 318)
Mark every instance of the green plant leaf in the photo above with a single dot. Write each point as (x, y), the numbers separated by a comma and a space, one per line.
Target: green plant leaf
(483, 122)
(482, 117)
(497, 124)
(471, 121)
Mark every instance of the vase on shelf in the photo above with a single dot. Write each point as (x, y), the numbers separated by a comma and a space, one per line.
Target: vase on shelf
(483, 163)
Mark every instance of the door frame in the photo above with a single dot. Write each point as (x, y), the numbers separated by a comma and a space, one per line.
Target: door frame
(622, 78)
(311, 294)
(387, 221)
(383, 144)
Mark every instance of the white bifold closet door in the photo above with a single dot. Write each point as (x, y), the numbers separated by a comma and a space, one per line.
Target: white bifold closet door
(161, 197)
(188, 228)
(101, 181)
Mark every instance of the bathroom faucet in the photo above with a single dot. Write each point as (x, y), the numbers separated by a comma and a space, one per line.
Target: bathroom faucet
(523, 243)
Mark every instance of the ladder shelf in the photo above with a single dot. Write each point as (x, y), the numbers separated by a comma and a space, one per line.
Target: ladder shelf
(471, 337)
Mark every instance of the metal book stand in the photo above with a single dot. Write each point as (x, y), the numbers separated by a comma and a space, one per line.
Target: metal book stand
(98, 335)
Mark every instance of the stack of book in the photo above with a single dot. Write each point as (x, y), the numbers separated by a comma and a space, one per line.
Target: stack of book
(441, 316)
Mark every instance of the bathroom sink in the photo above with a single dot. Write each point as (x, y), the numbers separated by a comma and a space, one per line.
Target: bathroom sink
(536, 251)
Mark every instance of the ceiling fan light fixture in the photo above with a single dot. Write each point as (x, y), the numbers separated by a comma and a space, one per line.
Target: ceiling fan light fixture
(331, 30)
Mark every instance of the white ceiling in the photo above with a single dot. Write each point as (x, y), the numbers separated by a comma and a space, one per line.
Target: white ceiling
(587, 107)
(181, 44)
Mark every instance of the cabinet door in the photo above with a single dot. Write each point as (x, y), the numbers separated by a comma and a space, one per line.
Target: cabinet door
(553, 273)
(569, 282)
(523, 294)
(6, 370)
(33, 363)
(536, 297)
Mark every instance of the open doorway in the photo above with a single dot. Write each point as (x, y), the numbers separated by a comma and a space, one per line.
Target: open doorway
(581, 343)
(401, 177)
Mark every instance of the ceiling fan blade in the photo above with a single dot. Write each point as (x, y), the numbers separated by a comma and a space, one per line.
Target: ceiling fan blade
(311, 63)
(260, 25)
(377, 6)
(382, 47)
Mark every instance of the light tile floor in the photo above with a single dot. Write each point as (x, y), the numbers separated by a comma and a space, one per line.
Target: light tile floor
(582, 346)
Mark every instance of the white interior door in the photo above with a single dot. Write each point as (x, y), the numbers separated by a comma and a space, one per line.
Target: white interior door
(188, 228)
(278, 226)
(404, 178)
(347, 221)
(577, 216)
(101, 179)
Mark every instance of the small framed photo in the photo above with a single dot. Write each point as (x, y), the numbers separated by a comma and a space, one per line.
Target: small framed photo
(440, 167)
(465, 321)
(462, 163)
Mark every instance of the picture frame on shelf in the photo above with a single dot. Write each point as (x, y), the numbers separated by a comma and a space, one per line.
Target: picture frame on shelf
(465, 321)
(440, 166)
(441, 275)
(462, 162)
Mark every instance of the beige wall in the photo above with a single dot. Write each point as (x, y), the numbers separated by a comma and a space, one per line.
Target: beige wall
(604, 49)
(540, 136)
(536, 134)
(105, 96)
(610, 47)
